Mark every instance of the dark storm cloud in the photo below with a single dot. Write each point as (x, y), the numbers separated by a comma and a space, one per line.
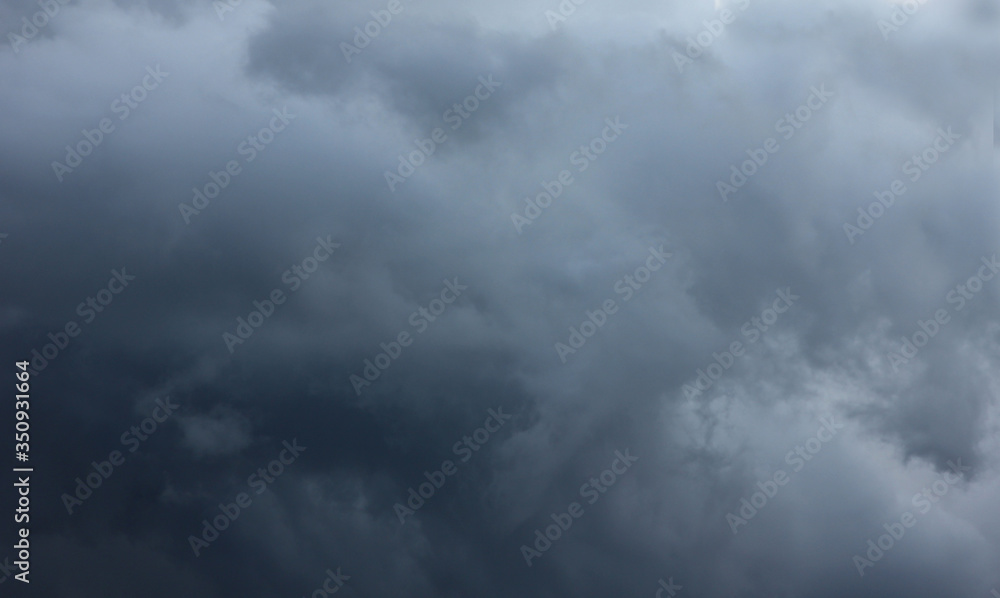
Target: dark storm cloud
(635, 384)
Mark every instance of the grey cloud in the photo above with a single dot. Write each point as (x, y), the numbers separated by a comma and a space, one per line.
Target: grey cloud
(628, 386)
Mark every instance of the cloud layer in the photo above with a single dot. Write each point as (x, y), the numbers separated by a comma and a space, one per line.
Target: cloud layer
(743, 242)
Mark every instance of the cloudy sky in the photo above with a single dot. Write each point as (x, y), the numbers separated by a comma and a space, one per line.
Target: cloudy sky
(448, 299)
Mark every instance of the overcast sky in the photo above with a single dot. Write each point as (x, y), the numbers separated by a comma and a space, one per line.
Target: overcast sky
(473, 299)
